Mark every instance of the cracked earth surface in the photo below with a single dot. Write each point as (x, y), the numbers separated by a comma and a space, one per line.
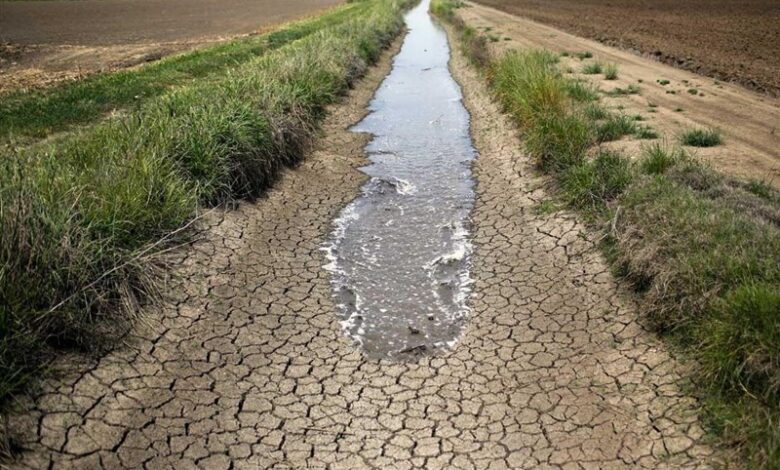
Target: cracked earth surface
(246, 365)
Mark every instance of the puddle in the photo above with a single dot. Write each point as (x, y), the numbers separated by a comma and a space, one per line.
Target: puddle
(400, 253)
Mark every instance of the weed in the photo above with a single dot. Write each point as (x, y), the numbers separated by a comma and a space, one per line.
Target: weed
(701, 137)
(615, 127)
(645, 132)
(591, 184)
(760, 188)
(657, 158)
(678, 110)
(546, 207)
(693, 91)
(595, 112)
(592, 68)
(446, 9)
(663, 82)
(581, 91)
(610, 72)
(584, 55)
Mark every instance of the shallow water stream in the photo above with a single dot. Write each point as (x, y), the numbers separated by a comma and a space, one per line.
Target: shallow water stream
(400, 253)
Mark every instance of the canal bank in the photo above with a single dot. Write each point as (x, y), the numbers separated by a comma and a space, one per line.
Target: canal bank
(246, 364)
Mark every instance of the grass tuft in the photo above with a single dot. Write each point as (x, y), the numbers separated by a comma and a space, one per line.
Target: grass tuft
(657, 158)
(592, 68)
(615, 127)
(595, 112)
(701, 137)
(611, 72)
(591, 185)
(581, 91)
(645, 132)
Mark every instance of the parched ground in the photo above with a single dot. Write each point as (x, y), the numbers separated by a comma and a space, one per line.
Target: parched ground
(246, 365)
(734, 40)
(42, 42)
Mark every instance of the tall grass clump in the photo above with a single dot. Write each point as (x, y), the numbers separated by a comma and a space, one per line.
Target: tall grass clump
(611, 71)
(592, 68)
(83, 216)
(537, 96)
(614, 127)
(701, 137)
(581, 91)
(657, 158)
(591, 185)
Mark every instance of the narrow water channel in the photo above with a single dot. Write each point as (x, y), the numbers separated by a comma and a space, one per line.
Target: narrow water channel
(400, 253)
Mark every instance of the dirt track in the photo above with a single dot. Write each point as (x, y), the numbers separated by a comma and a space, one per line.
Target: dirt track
(749, 121)
(247, 364)
(734, 40)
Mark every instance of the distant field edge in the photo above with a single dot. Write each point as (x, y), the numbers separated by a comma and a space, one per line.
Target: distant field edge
(743, 54)
(29, 115)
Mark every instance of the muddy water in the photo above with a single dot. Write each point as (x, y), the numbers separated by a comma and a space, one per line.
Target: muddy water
(399, 256)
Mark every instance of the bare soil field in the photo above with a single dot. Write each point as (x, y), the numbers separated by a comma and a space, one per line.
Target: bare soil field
(45, 42)
(664, 97)
(732, 40)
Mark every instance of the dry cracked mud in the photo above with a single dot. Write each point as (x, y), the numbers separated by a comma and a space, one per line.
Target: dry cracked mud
(246, 366)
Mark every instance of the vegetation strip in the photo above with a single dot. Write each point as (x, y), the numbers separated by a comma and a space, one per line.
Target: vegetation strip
(701, 249)
(27, 115)
(81, 217)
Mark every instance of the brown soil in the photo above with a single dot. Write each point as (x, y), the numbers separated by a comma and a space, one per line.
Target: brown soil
(246, 365)
(43, 42)
(733, 40)
(749, 121)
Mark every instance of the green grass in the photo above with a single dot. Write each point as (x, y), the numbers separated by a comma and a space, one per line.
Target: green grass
(645, 132)
(584, 55)
(615, 127)
(592, 68)
(82, 216)
(701, 137)
(29, 115)
(595, 112)
(581, 91)
(657, 158)
(547, 207)
(610, 72)
(592, 184)
(533, 91)
(701, 249)
(446, 9)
